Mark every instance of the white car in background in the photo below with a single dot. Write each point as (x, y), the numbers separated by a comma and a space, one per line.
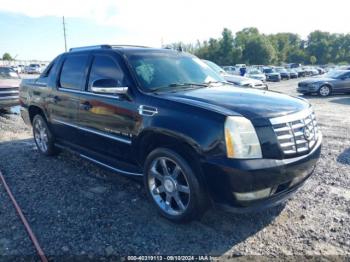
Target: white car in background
(233, 70)
(255, 74)
(236, 79)
(34, 69)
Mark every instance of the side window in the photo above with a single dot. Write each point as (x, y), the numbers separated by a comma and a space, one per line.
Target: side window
(73, 71)
(51, 67)
(104, 67)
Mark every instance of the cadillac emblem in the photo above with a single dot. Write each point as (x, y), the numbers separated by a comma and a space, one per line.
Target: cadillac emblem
(308, 133)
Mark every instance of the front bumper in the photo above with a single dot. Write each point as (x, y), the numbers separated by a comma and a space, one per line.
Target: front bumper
(284, 176)
(307, 89)
(6, 102)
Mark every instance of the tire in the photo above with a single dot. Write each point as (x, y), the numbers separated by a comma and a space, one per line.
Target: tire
(173, 187)
(324, 91)
(43, 137)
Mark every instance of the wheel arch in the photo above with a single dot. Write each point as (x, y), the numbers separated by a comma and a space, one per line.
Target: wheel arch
(34, 110)
(182, 145)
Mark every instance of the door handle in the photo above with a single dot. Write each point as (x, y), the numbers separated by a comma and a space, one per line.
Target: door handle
(56, 99)
(86, 105)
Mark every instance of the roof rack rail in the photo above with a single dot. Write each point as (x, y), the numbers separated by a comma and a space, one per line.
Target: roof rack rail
(84, 48)
(116, 46)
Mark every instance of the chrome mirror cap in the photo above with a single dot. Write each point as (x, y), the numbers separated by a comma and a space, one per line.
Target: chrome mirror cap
(109, 90)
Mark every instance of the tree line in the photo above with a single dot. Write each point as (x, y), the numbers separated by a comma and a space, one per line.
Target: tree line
(249, 46)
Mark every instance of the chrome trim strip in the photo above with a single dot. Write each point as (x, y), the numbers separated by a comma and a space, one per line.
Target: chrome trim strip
(110, 167)
(87, 93)
(291, 117)
(9, 92)
(120, 139)
(8, 97)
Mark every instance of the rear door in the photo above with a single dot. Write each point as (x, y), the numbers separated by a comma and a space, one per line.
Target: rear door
(108, 121)
(64, 99)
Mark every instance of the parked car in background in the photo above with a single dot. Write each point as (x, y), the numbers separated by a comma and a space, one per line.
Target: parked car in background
(271, 74)
(34, 69)
(21, 68)
(345, 67)
(300, 71)
(9, 84)
(165, 117)
(321, 71)
(242, 81)
(255, 74)
(292, 72)
(236, 79)
(336, 81)
(17, 69)
(294, 65)
(283, 72)
(232, 70)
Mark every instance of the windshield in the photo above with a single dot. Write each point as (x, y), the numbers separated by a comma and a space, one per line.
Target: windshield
(6, 72)
(160, 71)
(334, 74)
(281, 70)
(214, 66)
(268, 70)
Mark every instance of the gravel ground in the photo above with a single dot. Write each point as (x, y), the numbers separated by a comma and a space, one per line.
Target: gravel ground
(78, 209)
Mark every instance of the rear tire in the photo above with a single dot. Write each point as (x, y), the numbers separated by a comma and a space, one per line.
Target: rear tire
(43, 137)
(173, 187)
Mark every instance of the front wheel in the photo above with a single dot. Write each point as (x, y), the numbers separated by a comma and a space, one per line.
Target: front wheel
(324, 91)
(43, 138)
(173, 187)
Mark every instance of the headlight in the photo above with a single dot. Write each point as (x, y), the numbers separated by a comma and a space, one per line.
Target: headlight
(241, 138)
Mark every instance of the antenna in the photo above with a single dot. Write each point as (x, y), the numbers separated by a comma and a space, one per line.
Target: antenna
(64, 35)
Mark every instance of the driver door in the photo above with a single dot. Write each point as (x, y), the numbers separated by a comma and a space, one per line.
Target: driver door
(107, 121)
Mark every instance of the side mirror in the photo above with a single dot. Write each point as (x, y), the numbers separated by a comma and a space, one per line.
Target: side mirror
(108, 86)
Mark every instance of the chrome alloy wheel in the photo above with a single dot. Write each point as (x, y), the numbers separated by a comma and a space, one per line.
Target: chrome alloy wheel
(168, 186)
(41, 135)
(325, 91)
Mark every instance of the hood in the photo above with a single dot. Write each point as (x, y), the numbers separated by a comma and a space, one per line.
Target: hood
(6, 83)
(256, 105)
(317, 79)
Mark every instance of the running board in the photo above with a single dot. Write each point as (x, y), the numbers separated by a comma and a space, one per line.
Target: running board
(117, 170)
(110, 167)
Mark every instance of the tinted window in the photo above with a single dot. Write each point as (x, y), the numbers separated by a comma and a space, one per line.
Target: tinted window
(73, 71)
(51, 67)
(104, 67)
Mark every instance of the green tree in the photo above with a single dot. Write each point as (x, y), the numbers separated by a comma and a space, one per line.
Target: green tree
(7, 57)
(319, 44)
(258, 50)
(313, 60)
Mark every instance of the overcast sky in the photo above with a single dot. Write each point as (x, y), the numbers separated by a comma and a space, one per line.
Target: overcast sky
(33, 29)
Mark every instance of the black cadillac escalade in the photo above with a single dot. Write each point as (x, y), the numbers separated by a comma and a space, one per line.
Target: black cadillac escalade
(165, 116)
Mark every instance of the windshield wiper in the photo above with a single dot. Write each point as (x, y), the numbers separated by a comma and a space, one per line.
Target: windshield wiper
(215, 82)
(176, 86)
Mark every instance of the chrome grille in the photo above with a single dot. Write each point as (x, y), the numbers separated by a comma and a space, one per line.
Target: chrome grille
(296, 133)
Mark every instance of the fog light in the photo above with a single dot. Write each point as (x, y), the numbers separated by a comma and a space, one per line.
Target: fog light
(254, 195)
(299, 178)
